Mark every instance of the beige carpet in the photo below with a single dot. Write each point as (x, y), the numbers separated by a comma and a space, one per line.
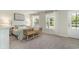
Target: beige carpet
(45, 42)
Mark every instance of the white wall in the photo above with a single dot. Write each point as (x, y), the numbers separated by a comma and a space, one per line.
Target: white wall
(25, 22)
(43, 23)
(62, 24)
(4, 38)
(5, 17)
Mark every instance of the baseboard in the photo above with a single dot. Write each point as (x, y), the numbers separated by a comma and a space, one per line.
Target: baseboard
(60, 35)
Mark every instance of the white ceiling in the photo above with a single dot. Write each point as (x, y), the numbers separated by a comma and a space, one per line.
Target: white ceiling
(28, 11)
(24, 11)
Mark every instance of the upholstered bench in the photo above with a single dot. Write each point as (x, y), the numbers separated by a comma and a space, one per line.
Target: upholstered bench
(31, 33)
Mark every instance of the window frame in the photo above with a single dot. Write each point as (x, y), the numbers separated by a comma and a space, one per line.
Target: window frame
(48, 17)
(75, 24)
(33, 19)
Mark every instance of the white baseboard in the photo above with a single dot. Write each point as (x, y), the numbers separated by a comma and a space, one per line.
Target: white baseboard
(63, 35)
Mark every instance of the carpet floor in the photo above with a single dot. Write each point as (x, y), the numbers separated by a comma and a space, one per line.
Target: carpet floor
(45, 41)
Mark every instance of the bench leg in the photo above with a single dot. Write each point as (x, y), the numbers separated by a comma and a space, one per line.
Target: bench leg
(33, 36)
(27, 37)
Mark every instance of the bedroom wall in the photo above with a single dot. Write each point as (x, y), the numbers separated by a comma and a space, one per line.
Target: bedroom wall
(43, 23)
(5, 15)
(5, 18)
(62, 24)
(25, 22)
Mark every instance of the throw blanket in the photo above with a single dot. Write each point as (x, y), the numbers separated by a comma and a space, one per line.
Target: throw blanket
(19, 33)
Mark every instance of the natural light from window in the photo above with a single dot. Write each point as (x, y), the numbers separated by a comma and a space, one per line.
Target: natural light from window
(50, 21)
(35, 20)
(75, 20)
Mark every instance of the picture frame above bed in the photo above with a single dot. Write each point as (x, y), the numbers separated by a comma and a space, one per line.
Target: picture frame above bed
(19, 17)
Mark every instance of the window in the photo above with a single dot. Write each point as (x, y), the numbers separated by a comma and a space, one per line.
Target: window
(50, 21)
(75, 20)
(35, 20)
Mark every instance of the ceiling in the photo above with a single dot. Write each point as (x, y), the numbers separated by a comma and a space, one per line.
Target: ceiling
(25, 11)
(28, 11)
